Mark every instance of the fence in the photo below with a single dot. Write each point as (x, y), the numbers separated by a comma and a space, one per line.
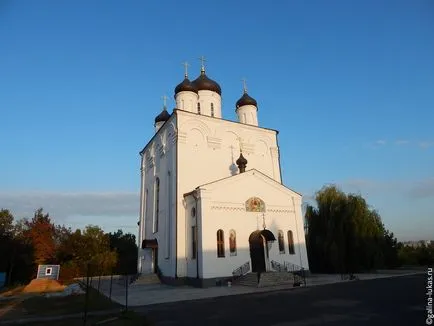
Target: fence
(110, 285)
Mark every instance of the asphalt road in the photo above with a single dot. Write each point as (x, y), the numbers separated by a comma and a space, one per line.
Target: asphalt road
(395, 301)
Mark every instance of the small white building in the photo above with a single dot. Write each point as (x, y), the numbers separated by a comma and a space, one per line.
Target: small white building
(212, 198)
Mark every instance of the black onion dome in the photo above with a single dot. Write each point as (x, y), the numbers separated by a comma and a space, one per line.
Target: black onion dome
(204, 83)
(163, 116)
(185, 86)
(241, 160)
(246, 99)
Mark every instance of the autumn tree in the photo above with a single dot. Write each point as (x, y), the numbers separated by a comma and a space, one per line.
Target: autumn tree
(41, 233)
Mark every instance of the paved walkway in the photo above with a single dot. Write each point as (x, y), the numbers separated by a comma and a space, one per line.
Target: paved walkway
(141, 295)
(145, 295)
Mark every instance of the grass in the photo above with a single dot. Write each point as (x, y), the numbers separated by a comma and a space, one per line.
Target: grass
(12, 290)
(127, 319)
(68, 305)
(39, 305)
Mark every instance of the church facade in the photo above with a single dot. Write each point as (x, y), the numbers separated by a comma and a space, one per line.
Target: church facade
(212, 201)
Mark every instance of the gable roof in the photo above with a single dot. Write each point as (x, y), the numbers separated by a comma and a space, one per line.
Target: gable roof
(244, 175)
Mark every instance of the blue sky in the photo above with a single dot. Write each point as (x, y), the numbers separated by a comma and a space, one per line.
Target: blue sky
(349, 84)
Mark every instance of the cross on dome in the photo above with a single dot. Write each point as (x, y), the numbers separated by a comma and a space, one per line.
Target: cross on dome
(164, 98)
(244, 85)
(185, 64)
(202, 63)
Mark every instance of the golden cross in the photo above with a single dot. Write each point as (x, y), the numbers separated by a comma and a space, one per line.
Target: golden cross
(202, 60)
(164, 97)
(185, 64)
(244, 85)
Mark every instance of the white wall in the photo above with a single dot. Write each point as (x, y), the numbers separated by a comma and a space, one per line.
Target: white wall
(187, 101)
(224, 208)
(207, 151)
(158, 158)
(248, 114)
(205, 100)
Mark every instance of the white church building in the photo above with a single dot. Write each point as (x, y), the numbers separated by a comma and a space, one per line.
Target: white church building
(212, 202)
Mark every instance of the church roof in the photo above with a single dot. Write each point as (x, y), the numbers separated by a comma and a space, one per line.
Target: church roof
(185, 86)
(163, 116)
(243, 175)
(204, 83)
(246, 99)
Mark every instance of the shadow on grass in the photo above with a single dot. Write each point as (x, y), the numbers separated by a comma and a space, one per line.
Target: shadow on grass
(41, 306)
(128, 319)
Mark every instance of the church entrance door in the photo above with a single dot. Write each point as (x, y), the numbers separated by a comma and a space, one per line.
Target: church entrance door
(259, 249)
(257, 253)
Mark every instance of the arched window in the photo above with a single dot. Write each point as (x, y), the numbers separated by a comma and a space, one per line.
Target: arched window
(281, 242)
(232, 243)
(220, 243)
(212, 109)
(145, 208)
(198, 108)
(291, 243)
(156, 204)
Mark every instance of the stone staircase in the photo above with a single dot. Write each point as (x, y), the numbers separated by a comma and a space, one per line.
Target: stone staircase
(147, 279)
(269, 279)
(250, 279)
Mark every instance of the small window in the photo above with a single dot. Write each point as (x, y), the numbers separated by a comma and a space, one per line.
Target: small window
(232, 243)
(193, 242)
(281, 242)
(220, 244)
(48, 271)
(198, 108)
(212, 109)
(291, 243)
(193, 212)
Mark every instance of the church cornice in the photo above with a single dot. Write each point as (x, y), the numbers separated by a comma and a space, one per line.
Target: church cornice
(226, 120)
(214, 142)
(233, 208)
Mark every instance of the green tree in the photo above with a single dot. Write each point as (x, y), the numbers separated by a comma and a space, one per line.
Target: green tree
(345, 235)
(15, 252)
(126, 248)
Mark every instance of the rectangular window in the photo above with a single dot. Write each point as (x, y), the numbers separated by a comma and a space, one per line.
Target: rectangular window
(212, 109)
(48, 271)
(193, 242)
(198, 108)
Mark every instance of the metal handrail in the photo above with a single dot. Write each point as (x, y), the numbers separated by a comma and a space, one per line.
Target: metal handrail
(294, 269)
(242, 270)
(278, 266)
